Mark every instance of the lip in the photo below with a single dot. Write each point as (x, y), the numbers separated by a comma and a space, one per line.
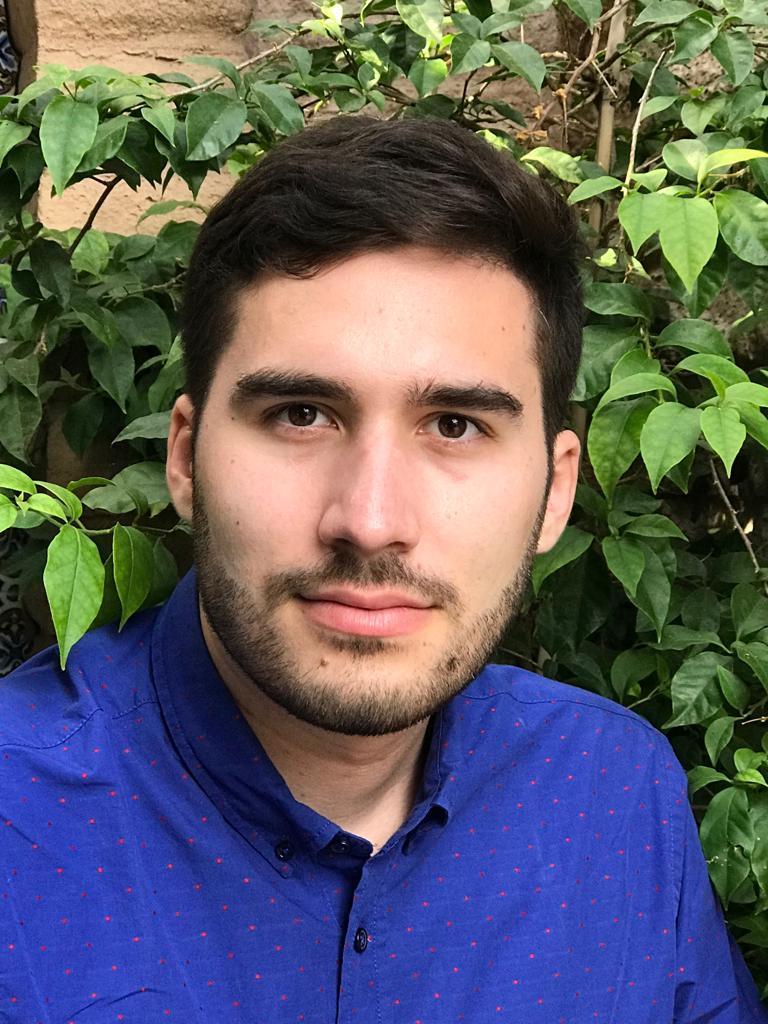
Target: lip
(371, 600)
(366, 613)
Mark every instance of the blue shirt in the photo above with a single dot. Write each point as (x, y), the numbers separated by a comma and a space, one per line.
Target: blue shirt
(154, 866)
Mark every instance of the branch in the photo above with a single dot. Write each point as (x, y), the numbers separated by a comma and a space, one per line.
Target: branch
(564, 93)
(238, 67)
(639, 118)
(92, 215)
(735, 520)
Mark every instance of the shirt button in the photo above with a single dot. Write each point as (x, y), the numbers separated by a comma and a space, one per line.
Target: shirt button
(284, 851)
(340, 844)
(361, 940)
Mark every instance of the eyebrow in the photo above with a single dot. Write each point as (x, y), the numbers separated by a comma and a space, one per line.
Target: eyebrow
(272, 383)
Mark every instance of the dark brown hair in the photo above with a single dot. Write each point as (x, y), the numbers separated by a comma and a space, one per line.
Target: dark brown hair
(355, 184)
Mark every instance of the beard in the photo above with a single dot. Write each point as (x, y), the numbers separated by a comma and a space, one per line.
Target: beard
(358, 700)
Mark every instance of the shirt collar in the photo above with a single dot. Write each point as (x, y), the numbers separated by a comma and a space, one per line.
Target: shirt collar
(221, 752)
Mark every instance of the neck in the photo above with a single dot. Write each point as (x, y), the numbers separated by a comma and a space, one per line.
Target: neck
(365, 784)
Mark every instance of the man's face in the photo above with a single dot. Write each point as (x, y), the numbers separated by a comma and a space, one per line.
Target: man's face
(368, 484)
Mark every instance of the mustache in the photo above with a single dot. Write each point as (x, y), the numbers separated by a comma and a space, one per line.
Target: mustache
(347, 567)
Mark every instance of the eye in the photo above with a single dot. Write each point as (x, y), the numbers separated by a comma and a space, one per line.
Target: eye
(453, 427)
(300, 414)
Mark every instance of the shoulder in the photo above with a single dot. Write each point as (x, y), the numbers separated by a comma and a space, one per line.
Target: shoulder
(107, 672)
(542, 709)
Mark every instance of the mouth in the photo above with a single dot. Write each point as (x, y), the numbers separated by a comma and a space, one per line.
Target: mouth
(366, 613)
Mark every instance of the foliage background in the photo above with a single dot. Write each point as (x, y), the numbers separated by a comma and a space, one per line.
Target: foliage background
(653, 120)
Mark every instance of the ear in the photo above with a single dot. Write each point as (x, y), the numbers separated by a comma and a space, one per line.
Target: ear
(565, 472)
(178, 463)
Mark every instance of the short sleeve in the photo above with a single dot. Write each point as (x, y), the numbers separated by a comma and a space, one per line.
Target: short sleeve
(713, 984)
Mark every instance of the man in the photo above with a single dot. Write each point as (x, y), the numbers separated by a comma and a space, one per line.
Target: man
(295, 793)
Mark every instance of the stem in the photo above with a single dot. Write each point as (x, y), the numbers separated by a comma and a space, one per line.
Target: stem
(238, 67)
(639, 118)
(606, 116)
(735, 520)
(92, 215)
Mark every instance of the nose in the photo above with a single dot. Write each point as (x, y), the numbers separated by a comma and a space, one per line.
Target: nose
(372, 500)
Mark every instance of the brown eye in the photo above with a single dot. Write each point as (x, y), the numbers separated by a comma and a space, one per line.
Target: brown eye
(301, 415)
(452, 426)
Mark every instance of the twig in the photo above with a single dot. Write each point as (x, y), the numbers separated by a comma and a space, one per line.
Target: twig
(607, 114)
(565, 92)
(639, 118)
(612, 12)
(92, 215)
(238, 67)
(735, 519)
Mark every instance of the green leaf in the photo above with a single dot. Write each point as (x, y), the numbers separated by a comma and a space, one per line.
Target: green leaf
(743, 222)
(688, 235)
(46, 505)
(8, 513)
(142, 322)
(602, 346)
(637, 384)
(52, 269)
(617, 300)
(668, 435)
(144, 479)
(613, 441)
(15, 480)
(723, 158)
(468, 54)
(702, 775)
(755, 422)
(681, 638)
(164, 206)
(724, 431)
(717, 737)
(653, 590)
(213, 123)
(82, 422)
(223, 66)
(522, 59)
(70, 501)
(641, 214)
(113, 367)
(133, 566)
(735, 690)
(685, 157)
(701, 610)
(74, 584)
(693, 36)
(696, 115)
(746, 391)
(424, 17)
(163, 119)
(279, 106)
(588, 10)
(11, 134)
(155, 425)
(562, 165)
(655, 105)
(572, 544)
(722, 373)
(749, 610)
(428, 75)
(594, 187)
(653, 525)
(755, 655)
(735, 52)
(626, 560)
(726, 835)
(694, 689)
(25, 371)
(20, 415)
(631, 667)
(110, 136)
(665, 12)
(67, 131)
(695, 336)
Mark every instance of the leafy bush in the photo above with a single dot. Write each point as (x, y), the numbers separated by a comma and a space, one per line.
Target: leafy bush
(654, 123)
